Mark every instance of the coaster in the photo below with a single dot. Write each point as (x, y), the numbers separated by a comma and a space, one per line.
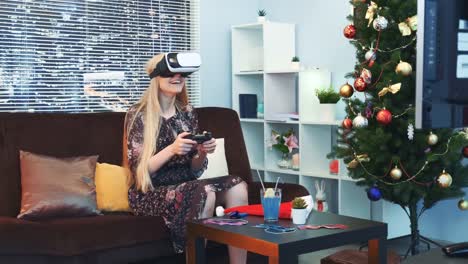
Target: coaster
(225, 221)
(279, 231)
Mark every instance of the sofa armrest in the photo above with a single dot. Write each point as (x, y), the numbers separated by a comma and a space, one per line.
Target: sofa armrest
(289, 191)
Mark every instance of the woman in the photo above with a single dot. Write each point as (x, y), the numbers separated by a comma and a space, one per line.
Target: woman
(165, 166)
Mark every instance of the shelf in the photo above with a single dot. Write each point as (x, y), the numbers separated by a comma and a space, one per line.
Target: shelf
(323, 175)
(256, 26)
(281, 122)
(285, 171)
(285, 71)
(249, 73)
(252, 120)
(346, 178)
(325, 123)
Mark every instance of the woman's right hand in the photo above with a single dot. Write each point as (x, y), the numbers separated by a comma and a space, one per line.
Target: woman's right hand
(181, 145)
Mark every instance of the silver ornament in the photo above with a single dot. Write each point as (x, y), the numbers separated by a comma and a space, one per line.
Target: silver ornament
(395, 173)
(360, 121)
(366, 75)
(432, 139)
(380, 23)
(410, 131)
(444, 180)
(371, 55)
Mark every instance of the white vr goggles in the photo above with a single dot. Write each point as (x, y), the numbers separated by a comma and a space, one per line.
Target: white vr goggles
(184, 63)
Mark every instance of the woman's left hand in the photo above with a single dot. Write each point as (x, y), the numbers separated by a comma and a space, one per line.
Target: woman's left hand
(207, 146)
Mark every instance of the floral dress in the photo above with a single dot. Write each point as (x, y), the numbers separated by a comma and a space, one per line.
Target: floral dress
(178, 195)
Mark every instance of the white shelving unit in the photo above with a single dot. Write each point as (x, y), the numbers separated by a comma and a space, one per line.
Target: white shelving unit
(261, 65)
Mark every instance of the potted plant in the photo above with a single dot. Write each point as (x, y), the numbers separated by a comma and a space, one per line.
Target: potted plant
(328, 99)
(299, 211)
(284, 143)
(261, 15)
(295, 63)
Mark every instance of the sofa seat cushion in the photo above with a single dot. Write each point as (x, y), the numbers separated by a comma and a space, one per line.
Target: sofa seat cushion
(80, 235)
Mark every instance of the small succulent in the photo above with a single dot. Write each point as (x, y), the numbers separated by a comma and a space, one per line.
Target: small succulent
(295, 59)
(299, 203)
(262, 12)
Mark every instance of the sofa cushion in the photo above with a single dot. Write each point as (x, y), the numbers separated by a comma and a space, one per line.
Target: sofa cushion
(80, 235)
(217, 164)
(57, 187)
(112, 188)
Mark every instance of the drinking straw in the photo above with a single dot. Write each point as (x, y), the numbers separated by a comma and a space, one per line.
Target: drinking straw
(263, 186)
(276, 185)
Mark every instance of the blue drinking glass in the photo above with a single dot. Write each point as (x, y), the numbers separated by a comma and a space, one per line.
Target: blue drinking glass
(271, 201)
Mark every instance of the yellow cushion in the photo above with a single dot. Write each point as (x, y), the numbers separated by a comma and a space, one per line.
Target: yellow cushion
(112, 188)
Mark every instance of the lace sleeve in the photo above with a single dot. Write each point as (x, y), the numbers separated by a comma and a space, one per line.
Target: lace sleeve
(134, 138)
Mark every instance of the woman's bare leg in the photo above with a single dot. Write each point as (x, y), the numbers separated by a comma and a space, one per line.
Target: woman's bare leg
(236, 196)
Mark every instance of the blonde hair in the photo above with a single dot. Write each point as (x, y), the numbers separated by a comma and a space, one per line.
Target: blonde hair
(150, 107)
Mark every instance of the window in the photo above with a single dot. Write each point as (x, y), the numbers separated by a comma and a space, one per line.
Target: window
(88, 55)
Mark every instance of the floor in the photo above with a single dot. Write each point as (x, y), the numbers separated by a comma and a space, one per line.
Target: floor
(218, 255)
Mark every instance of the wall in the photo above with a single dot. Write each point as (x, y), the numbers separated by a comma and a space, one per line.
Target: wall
(319, 35)
(319, 42)
(216, 19)
(446, 222)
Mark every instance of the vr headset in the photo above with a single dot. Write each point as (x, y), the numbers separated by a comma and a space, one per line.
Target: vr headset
(184, 63)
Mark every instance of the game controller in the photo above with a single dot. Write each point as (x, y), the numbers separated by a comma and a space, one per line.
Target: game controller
(200, 138)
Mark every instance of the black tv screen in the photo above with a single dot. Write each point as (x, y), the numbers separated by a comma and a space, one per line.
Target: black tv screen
(442, 64)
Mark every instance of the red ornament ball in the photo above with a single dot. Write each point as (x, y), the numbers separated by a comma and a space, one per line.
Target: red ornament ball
(347, 123)
(384, 117)
(349, 31)
(360, 84)
(465, 152)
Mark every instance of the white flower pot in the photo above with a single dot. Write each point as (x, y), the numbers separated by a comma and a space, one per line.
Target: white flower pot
(295, 65)
(299, 216)
(327, 113)
(261, 19)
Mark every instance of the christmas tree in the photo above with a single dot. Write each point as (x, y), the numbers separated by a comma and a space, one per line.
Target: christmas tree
(412, 168)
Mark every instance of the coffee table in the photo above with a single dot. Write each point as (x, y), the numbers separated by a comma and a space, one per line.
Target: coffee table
(285, 248)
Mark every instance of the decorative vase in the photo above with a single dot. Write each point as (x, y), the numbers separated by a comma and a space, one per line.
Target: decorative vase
(261, 19)
(327, 113)
(284, 162)
(295, 65)
(295, 162)
(299, 216)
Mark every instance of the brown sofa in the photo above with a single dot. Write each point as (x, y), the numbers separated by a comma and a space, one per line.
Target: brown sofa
(112, 238)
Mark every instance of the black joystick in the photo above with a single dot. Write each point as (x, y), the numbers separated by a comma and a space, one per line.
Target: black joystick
(200, 138)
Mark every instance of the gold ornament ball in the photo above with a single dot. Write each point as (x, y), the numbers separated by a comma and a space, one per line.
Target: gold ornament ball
(395, 173)
(444, 180)
(346, 91)
(432, 139)
(463, 205)
(404, 68)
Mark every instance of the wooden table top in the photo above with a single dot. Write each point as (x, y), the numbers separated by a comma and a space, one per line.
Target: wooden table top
(358, 230)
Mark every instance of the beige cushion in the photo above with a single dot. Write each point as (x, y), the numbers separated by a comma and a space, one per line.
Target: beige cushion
(217, 164)
(57, 187)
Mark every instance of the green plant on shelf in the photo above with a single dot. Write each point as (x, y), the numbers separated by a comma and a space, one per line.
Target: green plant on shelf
(295, 59)
(262, 12)
(299, 203)
(327, 95)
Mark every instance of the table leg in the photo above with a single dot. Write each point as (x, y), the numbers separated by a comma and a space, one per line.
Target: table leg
(195, 252)
(283, 259)
(377, 251)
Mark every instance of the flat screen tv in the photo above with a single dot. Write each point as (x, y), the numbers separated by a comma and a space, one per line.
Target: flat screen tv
(442, 64)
